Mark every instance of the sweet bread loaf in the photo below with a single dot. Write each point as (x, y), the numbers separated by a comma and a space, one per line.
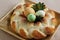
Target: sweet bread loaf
(33, 21)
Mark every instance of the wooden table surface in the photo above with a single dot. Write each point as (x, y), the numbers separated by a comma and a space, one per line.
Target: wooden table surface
(6, 36)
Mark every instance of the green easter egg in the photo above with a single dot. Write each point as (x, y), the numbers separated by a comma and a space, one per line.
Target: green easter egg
(31, 17)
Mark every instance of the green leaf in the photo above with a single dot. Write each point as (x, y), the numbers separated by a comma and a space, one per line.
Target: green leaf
(38, 6)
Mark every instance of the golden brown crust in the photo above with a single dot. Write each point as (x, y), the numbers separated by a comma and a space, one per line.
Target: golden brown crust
(37, 35)
(51, 12)
(19, 6)
(54, 21)
(30, 24)
(38, 24)
(49, 30)
(12, 16)
(22, 33)
(48, 11)
(26, 13)
(27, 4)
(13, 26)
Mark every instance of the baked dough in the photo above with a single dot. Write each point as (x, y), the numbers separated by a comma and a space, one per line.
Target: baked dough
(30, 29)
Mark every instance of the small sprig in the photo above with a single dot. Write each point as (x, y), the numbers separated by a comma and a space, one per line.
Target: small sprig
(38, 6)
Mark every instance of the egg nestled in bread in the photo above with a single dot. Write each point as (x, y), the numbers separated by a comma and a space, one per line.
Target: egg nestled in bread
(34, 21)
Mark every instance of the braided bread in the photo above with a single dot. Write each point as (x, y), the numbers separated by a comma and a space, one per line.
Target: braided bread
(30, 29)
